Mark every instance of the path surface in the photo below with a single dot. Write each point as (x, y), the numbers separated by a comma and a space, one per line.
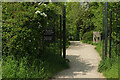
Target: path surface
(84, 61)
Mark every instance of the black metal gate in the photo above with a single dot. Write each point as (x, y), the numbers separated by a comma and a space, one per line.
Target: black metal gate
(113, 42)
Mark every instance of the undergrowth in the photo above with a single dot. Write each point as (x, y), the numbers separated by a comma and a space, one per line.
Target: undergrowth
(109, 66)
(44, 67)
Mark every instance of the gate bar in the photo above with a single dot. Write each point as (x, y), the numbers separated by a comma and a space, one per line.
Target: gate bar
(64, 32)
(110, 34)
(60, 36)
(106, 29)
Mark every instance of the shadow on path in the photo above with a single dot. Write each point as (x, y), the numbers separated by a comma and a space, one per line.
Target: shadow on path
(84, 62)
(78, 66)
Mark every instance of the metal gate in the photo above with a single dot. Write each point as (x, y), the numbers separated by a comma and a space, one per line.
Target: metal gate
(113, 42)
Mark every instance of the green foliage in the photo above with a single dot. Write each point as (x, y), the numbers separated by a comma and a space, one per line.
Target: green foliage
(19, 31)
(22, 42)
(109, 67)
(88, 37)
(99, 48)
(23, 27)
(97, 15)
(22, 30)
(113, 72)
(78, 16)
(104, 65)
(39, 68)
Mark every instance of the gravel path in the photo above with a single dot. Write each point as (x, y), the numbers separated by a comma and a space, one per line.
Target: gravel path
(84, 61)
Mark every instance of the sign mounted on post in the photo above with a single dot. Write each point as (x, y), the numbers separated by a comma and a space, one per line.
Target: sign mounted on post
(96, 37)
(48, 34)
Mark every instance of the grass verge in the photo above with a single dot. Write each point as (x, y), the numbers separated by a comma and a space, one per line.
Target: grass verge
(108, 67)
(44, 67)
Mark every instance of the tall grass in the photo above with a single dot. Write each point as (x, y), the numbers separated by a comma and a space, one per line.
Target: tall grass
(43, 67)
(109, 66)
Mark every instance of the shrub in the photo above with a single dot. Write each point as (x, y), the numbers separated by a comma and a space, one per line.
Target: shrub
(88, 37)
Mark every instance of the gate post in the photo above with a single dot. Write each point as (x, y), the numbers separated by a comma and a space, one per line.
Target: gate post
(64, 31)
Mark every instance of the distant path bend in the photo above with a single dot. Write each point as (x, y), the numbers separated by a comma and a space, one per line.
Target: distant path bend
(84, 61)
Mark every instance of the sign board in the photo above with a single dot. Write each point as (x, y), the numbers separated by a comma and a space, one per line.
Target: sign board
(48, 34)
(118, 28)
(96, 37)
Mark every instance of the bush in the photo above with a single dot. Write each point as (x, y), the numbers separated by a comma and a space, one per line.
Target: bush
(88, 37)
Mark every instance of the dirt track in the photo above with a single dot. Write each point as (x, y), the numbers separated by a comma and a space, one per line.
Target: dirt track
(84, 61)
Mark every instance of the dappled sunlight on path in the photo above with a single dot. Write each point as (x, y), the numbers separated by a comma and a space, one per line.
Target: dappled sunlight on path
(84, 61)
